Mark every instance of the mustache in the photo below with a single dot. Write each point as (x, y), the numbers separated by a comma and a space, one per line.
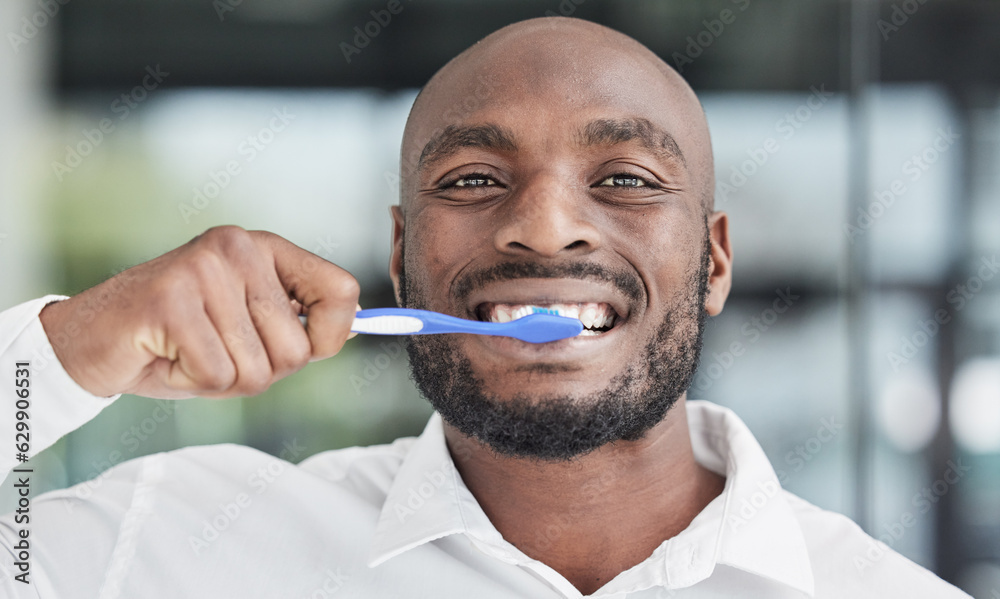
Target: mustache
(625, 281)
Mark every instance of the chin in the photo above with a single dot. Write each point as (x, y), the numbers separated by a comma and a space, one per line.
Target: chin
(540, 381)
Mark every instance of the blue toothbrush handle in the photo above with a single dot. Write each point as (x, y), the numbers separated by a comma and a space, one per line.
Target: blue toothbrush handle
(433, 322)
(534, 328)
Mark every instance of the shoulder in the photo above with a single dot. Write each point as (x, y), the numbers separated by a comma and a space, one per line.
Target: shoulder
(209, 501)
(207, 473)
(366, 473)
(848, 562)
(205, 467)
(78, 533)
(362, 469)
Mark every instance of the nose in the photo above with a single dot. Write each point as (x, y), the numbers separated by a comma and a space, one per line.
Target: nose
(548, 217)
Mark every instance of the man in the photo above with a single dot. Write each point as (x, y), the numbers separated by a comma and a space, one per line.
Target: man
(581, 179)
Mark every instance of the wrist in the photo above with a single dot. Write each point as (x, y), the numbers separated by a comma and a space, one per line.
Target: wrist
(63, 334)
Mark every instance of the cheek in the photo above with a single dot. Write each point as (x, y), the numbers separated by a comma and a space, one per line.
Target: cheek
(659, 230)
(664, 246)
(439, 246)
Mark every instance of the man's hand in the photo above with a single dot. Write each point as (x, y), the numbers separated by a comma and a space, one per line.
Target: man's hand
(216, 317)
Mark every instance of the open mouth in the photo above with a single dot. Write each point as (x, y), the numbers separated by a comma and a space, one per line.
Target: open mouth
(597, 317)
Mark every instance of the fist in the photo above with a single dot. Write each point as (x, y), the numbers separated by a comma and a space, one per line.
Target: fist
(217, 317)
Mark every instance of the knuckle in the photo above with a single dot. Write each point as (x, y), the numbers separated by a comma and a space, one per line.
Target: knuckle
(346, 287)
(205, 264)
(244, 333)
(254, 381)
(217, 380)
(170, 298)
(263, 236)
(308, 266)
(229, 240)
(293, 357)
(263, 306)
(222, 233)
(302, 351)
(332, 345)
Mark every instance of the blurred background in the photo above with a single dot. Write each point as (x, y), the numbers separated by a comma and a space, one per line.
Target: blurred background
(857, 151)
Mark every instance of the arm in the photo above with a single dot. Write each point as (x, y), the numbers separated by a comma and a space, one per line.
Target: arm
(217, 317)
(55, 403)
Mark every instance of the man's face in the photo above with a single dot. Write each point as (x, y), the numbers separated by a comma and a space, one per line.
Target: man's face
(571, 186)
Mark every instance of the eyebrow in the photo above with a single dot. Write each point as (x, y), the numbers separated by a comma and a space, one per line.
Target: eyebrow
(607, 132)
(454, 138)
(600, 132)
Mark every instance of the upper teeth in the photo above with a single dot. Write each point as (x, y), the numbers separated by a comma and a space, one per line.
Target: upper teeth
(592, 315)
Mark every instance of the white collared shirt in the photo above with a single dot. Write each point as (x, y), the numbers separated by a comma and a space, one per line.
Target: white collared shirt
(389, 521)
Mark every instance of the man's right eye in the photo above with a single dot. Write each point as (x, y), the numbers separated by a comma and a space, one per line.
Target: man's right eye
(474, 181)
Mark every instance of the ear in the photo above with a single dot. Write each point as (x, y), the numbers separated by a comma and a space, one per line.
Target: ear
(396, 259)
(720, 268)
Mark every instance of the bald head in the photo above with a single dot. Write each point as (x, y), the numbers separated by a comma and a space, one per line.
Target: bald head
(545, 70)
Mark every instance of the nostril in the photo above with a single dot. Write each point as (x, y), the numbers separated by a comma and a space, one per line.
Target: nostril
(576, 244)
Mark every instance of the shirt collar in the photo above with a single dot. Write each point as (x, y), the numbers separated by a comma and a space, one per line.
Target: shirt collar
(757, 532)
(750, 526)
(423, 501)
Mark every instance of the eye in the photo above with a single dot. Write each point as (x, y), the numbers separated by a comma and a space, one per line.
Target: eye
(474, 181)
(623, 180)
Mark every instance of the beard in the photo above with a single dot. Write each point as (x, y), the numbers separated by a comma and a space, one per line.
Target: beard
(562, 427)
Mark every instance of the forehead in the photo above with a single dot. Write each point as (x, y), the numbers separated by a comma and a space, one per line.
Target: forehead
(552, 88)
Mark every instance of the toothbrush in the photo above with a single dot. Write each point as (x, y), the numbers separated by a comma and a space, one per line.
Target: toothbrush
(541, 326)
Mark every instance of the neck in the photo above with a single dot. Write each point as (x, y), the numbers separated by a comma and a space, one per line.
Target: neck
(597, 515)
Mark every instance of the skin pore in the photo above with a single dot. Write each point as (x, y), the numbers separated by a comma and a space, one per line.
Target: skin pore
(558, 161)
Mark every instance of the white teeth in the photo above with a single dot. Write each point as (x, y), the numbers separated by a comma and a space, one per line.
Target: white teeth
(569, 310)
(591, 314)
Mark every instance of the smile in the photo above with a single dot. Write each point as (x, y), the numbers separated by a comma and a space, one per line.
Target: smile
(597, 317)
